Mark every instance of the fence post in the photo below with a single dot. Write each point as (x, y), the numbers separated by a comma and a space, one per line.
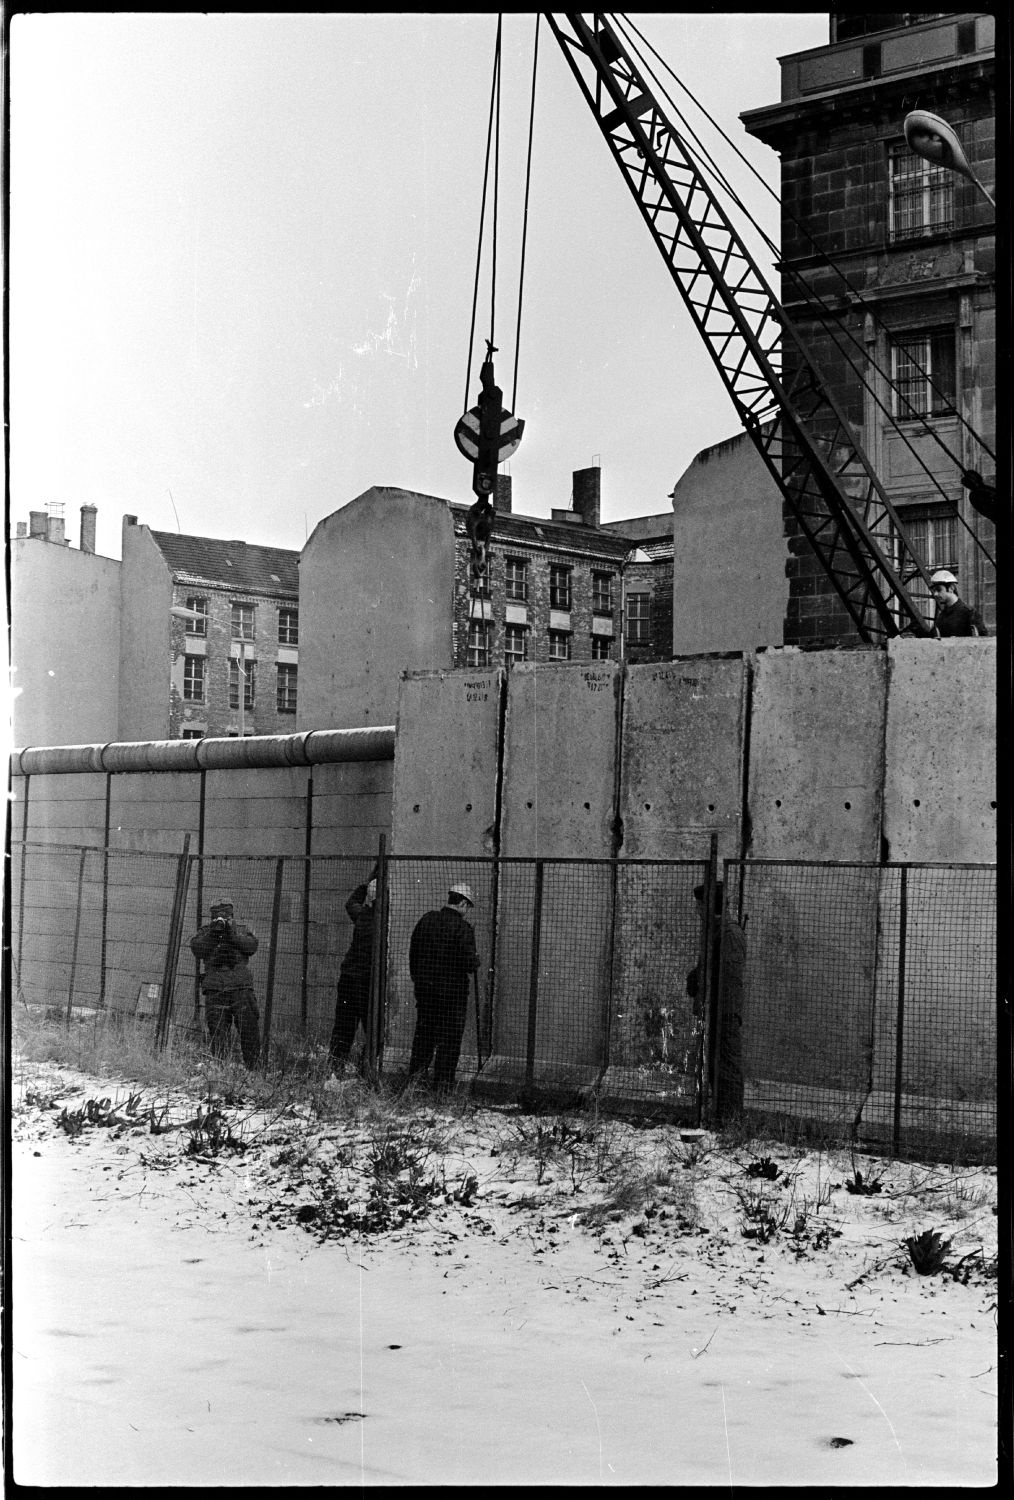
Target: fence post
(77, 931)
(105, 890)
(173, 946)
(269, 987)
(900, 1024)
(377, 985)
(307, 872)
(706, 1072)
(533, 986)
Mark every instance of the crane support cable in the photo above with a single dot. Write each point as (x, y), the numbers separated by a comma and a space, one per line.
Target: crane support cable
(524, 224)
(854, 294)
(832, 326)
(482, 210)
(496, 181)
(795, 423)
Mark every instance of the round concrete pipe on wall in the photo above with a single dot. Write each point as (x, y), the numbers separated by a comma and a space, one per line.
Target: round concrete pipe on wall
(325, 746)
(43, 760)
(250, 752)
(150, 755)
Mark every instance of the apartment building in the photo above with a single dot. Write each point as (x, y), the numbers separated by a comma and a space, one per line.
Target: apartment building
(915, 244)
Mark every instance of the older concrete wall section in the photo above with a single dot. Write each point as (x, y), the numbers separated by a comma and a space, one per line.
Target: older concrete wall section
(940, 786)
(559, 780)
(65, 644)
(61, 809)
(817, 755)
(730, 591)
(376, 583)
(352, 807)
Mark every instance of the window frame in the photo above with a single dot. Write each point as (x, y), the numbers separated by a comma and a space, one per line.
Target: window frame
(479, 656)
(238, 614)
(639, 622)
(195, 665)
(558, 638)
(199, 604)
(512, 632)
(921, 350)
(930, 186)
(289, 636)
(516, 577)
(598, 579)
(601, 647)
(286, 692)
(249, 684)
(561, 588)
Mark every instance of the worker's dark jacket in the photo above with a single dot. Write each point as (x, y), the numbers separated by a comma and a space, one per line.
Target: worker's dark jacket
(357, 961)
(441, 954)
(959, 619)
(225, 958)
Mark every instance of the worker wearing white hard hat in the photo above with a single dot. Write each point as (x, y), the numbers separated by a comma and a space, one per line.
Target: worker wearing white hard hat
(953, 615)
(441, 956)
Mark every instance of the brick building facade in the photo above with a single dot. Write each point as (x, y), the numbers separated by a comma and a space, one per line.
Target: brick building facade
(916, 244)
(564, 589)
(241, 629)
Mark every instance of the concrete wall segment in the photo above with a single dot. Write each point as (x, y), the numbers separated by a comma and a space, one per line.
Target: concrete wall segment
(682, 758)
(940, 784)
(446, 771)
(817, 755)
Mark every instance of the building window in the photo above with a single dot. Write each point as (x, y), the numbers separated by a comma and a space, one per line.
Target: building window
(198, 626)
(517, 580)
(559, 587)
(288, 627)
(923, 373)
(192, 734)
(638, 619)
(601, 647)
(931, 532)
(559, 645)
(602, 593)
(921, 195)
(479, 632)
(515, 644)
(250, 678)
(193, 678)
(285, 700)
(242, 622)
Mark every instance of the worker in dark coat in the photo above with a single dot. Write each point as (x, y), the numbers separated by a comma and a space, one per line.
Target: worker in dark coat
(441, 956)
(223, 945)
(953, 616)
(352, 998)
(725, 1014)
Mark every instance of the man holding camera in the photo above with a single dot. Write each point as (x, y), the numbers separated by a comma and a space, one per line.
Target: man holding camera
(224, 945)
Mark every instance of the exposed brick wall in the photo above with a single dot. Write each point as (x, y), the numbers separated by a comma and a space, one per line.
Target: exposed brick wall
(214, 716)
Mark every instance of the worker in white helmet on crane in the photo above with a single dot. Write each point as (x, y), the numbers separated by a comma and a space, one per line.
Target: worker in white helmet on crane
(953, 616)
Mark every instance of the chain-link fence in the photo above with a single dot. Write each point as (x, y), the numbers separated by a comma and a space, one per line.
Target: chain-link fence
(857, 1001)
(860, 1001)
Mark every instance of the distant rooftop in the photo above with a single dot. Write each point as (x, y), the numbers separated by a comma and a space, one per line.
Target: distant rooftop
(242, 566)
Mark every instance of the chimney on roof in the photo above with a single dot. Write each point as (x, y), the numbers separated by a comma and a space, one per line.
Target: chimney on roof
(502, 500)
(88, 514)
(588, 494)
(38, 523)
(22, 528)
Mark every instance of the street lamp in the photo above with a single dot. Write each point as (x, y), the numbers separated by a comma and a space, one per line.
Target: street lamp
(934, 140)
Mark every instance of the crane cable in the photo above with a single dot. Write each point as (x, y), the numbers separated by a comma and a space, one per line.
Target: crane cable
(821, 252)
(830, 322)
(524, 226)
(494, 114)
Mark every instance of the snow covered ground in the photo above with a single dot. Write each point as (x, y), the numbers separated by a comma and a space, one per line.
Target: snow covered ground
(456, 1295)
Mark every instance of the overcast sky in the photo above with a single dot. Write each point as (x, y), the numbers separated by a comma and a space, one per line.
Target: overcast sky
(242, 252)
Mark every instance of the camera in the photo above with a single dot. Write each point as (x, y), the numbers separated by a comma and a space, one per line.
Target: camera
(219, 924)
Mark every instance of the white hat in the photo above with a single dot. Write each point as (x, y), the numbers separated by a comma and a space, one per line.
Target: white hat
(465, 891)
(942, 576)
(371, 891)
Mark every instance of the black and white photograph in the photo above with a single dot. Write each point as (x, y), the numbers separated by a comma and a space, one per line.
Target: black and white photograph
(500, 944)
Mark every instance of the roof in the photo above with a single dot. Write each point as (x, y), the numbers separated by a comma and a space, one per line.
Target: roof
(551, 536)
(240, 566)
